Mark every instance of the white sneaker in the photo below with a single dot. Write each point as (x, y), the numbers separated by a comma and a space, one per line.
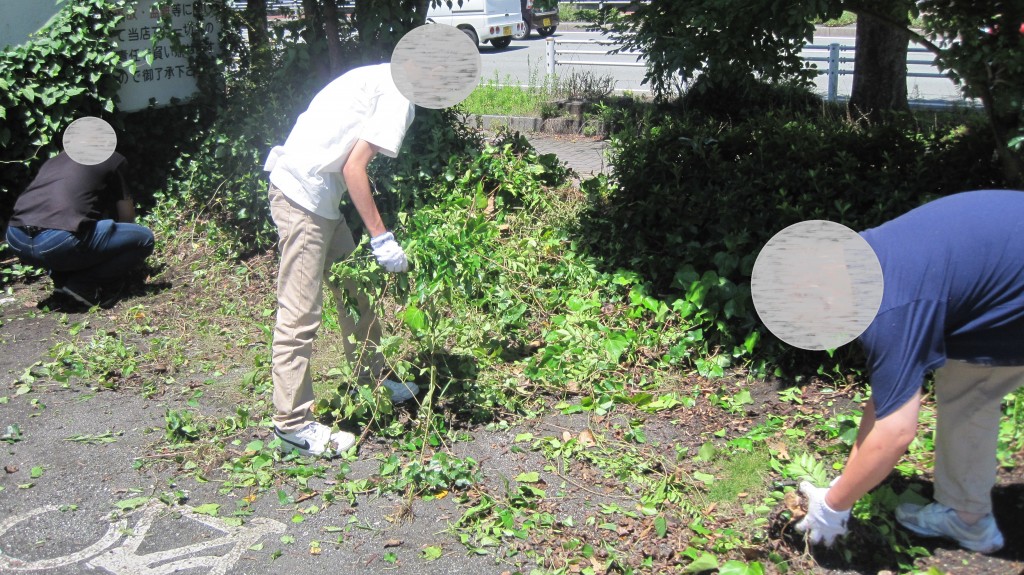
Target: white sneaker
(401, 390)
(315, 439)
(937, 520)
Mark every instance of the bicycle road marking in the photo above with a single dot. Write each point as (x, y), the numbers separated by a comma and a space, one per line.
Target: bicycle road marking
(124, 559)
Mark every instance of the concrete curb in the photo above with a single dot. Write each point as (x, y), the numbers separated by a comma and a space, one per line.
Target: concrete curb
(561, 125)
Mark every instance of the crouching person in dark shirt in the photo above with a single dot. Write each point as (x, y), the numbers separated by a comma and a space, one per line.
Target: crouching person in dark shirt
(75, 220)
(953, 303)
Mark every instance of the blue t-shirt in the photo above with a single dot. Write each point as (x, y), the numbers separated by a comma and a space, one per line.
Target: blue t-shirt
(953, 271)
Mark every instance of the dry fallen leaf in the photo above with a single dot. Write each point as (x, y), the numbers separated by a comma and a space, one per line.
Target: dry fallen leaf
(392, 543)
(780, 447)
(566, 436)
(306, 496)
(587, 438)
(794, 503)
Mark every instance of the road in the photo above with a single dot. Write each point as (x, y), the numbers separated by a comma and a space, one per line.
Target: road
(523, 63)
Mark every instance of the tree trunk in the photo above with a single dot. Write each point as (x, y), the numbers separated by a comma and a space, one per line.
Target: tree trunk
(880, 65)
(315, 37)
(256, 22)
(1013, 168)
(333, 40)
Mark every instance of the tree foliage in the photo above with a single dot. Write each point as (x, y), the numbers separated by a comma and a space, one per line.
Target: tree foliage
(727, 40)
(979, 44)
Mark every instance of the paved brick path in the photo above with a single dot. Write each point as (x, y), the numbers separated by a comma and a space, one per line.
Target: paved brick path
(585, 155)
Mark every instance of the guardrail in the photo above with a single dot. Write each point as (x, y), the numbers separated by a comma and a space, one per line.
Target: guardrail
(552, 51)
(599, 5)
(276, 5)
(835, 60)
(838, 59)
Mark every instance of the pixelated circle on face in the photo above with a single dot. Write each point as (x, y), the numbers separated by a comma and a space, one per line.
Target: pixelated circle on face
(89, 140)
(817, 285)
(435, 66)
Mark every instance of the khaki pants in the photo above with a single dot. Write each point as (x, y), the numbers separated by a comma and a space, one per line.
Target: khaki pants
(968, 398)
(309, 245)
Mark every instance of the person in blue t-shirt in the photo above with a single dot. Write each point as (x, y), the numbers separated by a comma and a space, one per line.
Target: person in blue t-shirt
(953, 303)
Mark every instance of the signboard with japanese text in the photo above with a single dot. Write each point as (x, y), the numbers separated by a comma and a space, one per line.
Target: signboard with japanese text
(167, 73)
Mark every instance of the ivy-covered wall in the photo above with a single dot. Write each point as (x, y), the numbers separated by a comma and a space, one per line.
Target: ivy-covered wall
(67, 72)
(73, 67)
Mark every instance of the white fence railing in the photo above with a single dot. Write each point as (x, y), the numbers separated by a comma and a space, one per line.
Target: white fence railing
(838, 60)
(601, 5)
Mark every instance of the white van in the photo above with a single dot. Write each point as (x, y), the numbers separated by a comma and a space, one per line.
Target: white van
(494, 21)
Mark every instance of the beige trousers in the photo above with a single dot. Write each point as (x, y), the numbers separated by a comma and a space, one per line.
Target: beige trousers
(309, 245)
(968, 398)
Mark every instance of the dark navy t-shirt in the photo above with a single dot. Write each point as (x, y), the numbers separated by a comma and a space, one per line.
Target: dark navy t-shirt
(66, 195)
(953, 271)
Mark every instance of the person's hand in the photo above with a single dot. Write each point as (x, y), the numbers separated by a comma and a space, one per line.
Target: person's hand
(822, 523)
(389, 254)
(125, 211)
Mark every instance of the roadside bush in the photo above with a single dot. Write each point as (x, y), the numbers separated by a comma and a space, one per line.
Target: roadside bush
(747, 97)
(695, 196)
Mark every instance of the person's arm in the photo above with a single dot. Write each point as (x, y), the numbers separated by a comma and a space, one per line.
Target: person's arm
(125, 206)
(389, 254)
(880, 445)
(358, 183)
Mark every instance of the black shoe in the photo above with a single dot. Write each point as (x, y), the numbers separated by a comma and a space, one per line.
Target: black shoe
(110, 295)
(104, 297)
(88, 298)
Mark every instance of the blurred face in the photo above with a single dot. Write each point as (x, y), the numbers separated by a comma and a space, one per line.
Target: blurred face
(436, 66)
(816, 286)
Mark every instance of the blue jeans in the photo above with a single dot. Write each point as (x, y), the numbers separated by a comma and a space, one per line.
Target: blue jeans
(84, 261)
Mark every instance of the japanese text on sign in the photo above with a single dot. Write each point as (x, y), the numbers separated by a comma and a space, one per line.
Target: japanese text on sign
(167, 73)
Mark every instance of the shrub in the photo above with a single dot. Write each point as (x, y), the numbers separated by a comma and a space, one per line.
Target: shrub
(695, 196)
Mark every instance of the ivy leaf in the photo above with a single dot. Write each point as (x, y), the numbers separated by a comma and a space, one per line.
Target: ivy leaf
(704, 477)
(211, 509)
(706, 452)
(705, 562)
(740, 568)
(660, 526)
(132, 503)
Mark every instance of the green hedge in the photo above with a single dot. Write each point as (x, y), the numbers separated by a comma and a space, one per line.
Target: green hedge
(694, 196)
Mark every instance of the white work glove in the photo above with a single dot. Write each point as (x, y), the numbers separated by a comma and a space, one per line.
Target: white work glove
(822, 523)
(389, 254)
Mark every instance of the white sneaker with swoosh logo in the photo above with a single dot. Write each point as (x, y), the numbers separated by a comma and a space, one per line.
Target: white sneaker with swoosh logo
(315, 439)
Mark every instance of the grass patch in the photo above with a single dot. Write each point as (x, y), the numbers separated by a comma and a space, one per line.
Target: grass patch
(846, 19)
(572, 13)
(743, 477)
(506, 99)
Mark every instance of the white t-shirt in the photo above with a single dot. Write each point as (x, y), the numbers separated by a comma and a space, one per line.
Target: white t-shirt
(362, 104)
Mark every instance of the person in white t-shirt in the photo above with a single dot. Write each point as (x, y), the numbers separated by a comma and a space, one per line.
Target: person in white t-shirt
(350, 121)
(357, 116)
